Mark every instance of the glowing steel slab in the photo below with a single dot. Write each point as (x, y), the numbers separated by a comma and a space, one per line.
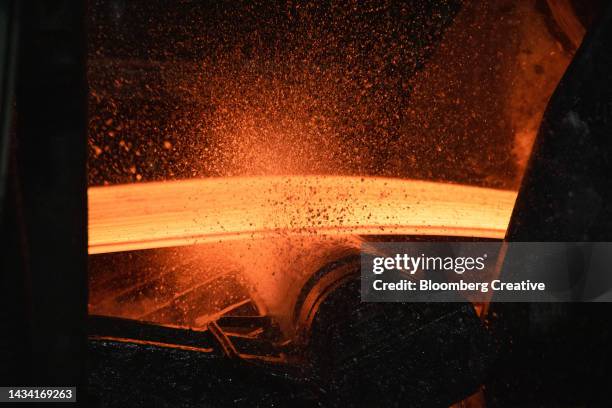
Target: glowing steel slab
(185, 212)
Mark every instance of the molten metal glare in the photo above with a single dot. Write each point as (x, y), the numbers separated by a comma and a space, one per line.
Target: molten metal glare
(176, 213)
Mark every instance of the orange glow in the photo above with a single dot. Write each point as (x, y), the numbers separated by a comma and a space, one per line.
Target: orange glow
(177, 213)
(268, 233)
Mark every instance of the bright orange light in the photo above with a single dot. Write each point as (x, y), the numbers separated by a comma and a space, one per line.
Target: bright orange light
(176, 213)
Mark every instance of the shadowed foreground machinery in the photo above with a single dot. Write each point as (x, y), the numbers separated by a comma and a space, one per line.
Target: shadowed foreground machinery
(350, 353)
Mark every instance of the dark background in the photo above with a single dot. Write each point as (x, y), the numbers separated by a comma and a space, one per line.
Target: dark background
(192, 89)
